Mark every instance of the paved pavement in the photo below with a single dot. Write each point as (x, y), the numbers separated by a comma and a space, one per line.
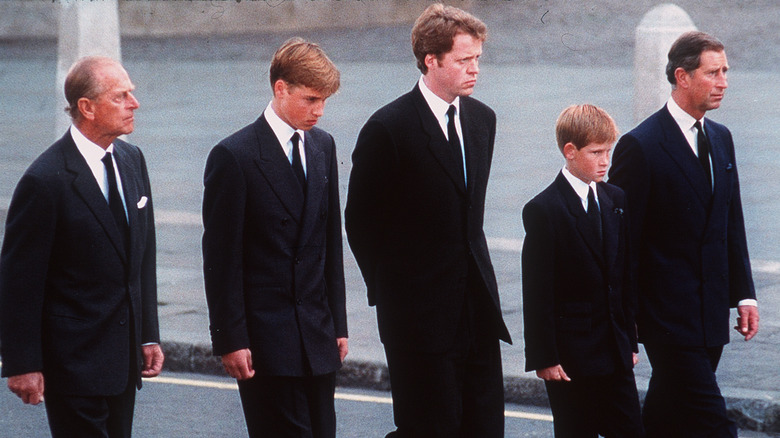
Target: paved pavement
(187, 105)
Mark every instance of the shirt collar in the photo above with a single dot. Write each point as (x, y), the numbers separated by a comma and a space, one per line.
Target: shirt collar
(438, 105)
(580, 187)
(91, 151)
(281, 129)
(683, 119)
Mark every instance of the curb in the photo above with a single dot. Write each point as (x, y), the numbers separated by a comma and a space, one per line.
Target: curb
(749, 413)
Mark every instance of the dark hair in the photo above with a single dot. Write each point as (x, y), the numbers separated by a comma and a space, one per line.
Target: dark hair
(299, 62)
(436, 28)
(686, 52)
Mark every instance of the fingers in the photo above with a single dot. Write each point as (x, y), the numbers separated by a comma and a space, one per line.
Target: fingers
(343, 346)
(153, 361)
(238, 364)
(29, 387)
(747, 321)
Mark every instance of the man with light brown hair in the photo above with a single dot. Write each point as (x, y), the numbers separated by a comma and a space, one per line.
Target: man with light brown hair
(272, 253)
(578, 293)
(414, 219)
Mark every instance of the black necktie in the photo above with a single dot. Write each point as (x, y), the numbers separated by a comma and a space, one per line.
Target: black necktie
(297, 163)
(452, 135)
(594, 215)
(703, 145)
(115, 201)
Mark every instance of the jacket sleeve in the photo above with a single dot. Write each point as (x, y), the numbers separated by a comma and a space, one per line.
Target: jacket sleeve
(27, 246)
(373, 161)
(223, 213)
(334, 262)
(741, 285)
(150, 332)
(538, 268)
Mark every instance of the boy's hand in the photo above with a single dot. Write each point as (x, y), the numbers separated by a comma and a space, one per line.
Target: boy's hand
(554, 373)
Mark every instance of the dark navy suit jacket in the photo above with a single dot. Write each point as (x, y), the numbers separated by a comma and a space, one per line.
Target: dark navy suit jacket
(73, 303)
(692, 257)
(578, 296)
(273, 258)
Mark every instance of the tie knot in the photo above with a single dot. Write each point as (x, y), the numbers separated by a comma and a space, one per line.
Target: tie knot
(592, 196)
(295, 138)
(451, 112)
(107, 158)
(697, 125)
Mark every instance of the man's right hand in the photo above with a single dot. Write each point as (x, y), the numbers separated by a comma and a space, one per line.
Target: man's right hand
(554, 373)
(238, 364)
(29, 387)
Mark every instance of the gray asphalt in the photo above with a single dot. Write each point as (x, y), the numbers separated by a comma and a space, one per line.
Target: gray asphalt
(188, 104)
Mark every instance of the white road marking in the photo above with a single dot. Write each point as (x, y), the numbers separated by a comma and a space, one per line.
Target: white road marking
(339, 395)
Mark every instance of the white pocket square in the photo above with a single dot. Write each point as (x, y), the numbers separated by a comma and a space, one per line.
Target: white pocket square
(142, 203)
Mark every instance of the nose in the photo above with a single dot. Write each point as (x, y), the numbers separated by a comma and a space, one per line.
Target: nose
(474, 67)
(133, 102)
(319, 109)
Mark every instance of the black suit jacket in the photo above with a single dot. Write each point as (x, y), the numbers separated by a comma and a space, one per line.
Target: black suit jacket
(691, 248)
(73, 303)
(578, 298)
(412, 224)
(273, 260)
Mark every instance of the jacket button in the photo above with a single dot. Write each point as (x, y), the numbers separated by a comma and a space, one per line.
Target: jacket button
(122, 321)
(299, 302)
(297, 261)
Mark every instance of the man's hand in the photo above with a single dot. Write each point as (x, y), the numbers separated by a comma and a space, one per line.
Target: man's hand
(553, 373)
(29, 387)
(343, 348)
(747, 321)
(153, 360)
(238, 364)
(635, 358)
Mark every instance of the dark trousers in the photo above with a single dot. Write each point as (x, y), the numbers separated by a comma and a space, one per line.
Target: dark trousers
(459, 393)
(588, 407)
(91, 417)
(683, 399)
(289, 407)
(448, 395)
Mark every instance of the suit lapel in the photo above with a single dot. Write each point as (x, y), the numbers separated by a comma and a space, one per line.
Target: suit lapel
(87, 189)
(472, 145)
(128, 173)
(437, 142)
(610, 220)
(574, 204)
(677, 147)
(316, 180)
(276, 169)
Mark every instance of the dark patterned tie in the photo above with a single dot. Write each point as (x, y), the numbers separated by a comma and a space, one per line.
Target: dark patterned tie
(115, 201)
(297, 163)
(594, 215)
(452, 135)
(703, 144)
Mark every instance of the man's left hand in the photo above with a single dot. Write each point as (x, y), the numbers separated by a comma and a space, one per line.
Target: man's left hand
(343, 347)
(747, 321)
(153, 360)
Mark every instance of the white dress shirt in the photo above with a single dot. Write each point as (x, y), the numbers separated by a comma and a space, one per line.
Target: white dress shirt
(439, 107)
(284, 133)
(94, 154)
(581, 188)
